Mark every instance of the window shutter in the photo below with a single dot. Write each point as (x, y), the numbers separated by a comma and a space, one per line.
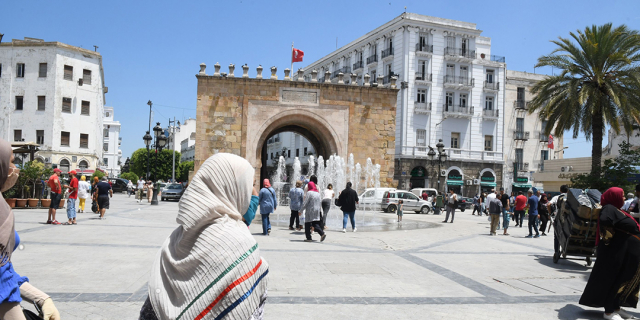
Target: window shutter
(64, 139)
(66, 105)
(41, 102)
(86, 77)
(42, 72)
(84, 140)
(85, 110)
(68, 73)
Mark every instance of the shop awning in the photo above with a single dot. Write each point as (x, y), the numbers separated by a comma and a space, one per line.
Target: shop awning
(488, 184)
(521, 185)
(455, 183)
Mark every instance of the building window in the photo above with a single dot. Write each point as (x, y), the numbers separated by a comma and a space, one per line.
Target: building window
(20, 68)
(271, 155)
(422, 70)
(65, 165)
(85, 108)
(373, 77)
(489, 76)
(66, 105)
(422, 96)
(288, 153)
(68, 72)
(105, 132)
(451, 72)
(0, 69)
(520, 96)
(448, 99)
(488, 143)
(520, 125)
(19, 102)
(105, 147)
(40, 136)
(41, 103)
(544, 155)
(455, 140)
(84, 140)
(305, 151)
(107, 114)
(463, 100)
(86, 77)
(519, 159)
(421, 139)
(83, 165)
(64, 138)
(297, 152)
(105, 161)
(42, 70)
(451, 42)
(488, 103)
(464, 74)
(17, 135)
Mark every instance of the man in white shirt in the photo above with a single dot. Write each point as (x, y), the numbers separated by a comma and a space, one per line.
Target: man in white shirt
(490, 197)
(628, 202)
(140, 188)
(554, 201)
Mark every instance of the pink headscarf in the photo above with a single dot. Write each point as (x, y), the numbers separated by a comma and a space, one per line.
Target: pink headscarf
(615, 197)
(266, 183)
(312, 187)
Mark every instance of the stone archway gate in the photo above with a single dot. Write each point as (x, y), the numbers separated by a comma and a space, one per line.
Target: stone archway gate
(237, 115)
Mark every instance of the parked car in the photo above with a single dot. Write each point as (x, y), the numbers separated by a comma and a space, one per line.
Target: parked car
(411, 202)
(172, 191)
(372, 197)
(430, 192)
(465, 203)
(119, 184)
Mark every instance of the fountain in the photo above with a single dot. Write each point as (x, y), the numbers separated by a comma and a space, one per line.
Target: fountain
(312, 166)
(296, 171)
(321, 173)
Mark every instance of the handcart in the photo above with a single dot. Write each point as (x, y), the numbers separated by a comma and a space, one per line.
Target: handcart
(575, 225)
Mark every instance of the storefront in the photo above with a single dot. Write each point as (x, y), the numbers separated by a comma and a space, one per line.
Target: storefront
(418, 177)
(521, 184)
(487, 181)
(454, 181)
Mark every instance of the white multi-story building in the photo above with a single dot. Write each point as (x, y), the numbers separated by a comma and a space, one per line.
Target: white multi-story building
(112, 155)
(526, 146)
(289, 145)
(183, 139)
(452, 89)
(52, 94)
(612, 149)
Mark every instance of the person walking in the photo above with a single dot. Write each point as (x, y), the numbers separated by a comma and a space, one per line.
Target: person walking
(268, 204)
(84, 192)
(635, 206)
(56, 196)
(129, 188)
(296, 197)
(482, 199)
(327, 196)
(399, 211)
(532, 205)
(347, 201)
(140, 190)
(613, 282)
(73, 197)
(313, 216)
(13, 287)
(495, 209)
(543, 213)
(102, 194)
(476, 206)
(452, 201)
(506, 214)
(521, 204)
(149, 190)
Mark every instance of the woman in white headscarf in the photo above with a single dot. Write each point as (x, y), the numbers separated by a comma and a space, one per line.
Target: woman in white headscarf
(13, 287)
(210, 266)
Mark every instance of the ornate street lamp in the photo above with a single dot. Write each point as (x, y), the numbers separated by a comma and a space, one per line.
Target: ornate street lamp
(161, 141)
(147, 142)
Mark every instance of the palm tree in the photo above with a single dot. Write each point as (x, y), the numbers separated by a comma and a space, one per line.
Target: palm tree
(599, 85)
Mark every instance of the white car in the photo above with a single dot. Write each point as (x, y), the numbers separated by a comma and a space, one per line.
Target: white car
(431, 193)
(411, 202)
(372, 197)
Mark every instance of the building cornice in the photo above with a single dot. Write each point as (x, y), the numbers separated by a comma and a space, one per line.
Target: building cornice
(26, 43)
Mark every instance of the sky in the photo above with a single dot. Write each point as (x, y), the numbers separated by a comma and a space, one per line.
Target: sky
(152, 49)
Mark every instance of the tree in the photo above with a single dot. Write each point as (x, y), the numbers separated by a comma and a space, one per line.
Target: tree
(160, 168)
(130, 176)
(599, 85)
(98, 174)
(185, 167)
(615, 172)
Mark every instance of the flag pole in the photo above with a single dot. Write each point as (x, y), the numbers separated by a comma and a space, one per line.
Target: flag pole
(291, 60)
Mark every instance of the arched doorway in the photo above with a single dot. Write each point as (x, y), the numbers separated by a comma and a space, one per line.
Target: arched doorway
(487, 181)
(64, 165)
(455, 180)
(419, 177)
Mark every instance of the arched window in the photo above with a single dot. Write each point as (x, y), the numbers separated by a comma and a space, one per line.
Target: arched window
(64, 165)
(83, 165)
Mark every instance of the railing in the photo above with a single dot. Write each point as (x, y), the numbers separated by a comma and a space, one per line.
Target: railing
(387, 78)
(492, 85)
(495, 113)
(520, 104)
(458, 52)
(466, 110)
(520, 135)
(422, 152)
(543, 137)
(358, 65)
(465, 81)
(387, 52)
(421, 76)
(372, 59)
(424, 47)
(422, 107)
(497, 58)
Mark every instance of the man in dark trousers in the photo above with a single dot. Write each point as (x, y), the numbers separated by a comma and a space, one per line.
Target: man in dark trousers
(347, 201)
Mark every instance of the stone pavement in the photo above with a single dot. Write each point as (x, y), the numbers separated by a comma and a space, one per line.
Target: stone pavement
(422, 269)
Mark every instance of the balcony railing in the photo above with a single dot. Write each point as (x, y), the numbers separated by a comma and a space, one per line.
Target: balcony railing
(387, 52)
(543, 137)
(421, 76)
(422, 107)
(458, 52)
(358, 65)
(465, 81)
(321, 80)
(464, 109)
(497, 58)
(387, 78)
(521, 135)
(492, 85)
(373, 58)
(424, 47)
(520, 104)
(495, 113)
(422, 152)
(343, 70)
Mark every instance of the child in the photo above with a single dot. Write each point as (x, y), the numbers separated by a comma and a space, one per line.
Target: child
(399, 212)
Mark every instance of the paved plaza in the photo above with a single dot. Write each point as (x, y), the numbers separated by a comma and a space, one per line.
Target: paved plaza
(422, 269)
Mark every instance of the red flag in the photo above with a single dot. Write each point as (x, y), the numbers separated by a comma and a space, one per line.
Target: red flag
(296, 55)
(550, 144)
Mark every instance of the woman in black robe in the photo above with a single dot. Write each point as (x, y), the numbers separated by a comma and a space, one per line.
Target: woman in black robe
(615, 278)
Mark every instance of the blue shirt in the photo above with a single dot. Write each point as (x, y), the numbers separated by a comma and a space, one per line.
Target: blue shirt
(10, 280)
(268, 200)
(296, 196)
(533, 205)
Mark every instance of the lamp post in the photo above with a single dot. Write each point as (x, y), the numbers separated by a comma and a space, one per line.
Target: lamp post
(147, 142)
(440, 158)
(160, 141)
(172, 138)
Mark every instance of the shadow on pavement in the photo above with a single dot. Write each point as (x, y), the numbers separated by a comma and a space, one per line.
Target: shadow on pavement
(564, 265)
(574, 312)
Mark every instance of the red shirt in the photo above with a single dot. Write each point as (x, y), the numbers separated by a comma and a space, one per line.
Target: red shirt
(521, 202)
(52, 183)
(73, 184)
